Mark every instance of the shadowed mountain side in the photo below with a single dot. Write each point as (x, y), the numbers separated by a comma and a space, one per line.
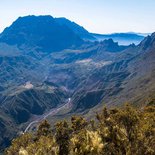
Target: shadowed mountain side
(34, 101)
(19, 106)
(77, 29)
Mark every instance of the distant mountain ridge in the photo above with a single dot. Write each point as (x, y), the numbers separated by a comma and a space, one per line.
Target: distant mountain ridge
(121, 38)
(24, 30)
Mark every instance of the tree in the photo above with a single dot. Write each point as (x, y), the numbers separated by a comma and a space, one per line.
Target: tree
(123, 131)
(44, 146)
(19, 143)
(62, 137)
(44, 129)
(86, 143)
(78, 123)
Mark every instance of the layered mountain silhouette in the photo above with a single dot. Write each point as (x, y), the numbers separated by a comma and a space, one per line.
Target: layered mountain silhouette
(122, 38)
(46, 62)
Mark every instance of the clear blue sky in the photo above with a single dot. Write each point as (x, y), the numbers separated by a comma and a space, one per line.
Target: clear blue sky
(100, 16)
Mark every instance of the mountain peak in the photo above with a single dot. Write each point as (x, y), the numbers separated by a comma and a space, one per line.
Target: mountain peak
(148, 42)
(43, 32)
(111, 46)
(32, 19)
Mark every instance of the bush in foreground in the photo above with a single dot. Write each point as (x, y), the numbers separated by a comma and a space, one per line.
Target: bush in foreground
(125, 131)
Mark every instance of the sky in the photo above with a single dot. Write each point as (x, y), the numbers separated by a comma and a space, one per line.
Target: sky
(98, 16)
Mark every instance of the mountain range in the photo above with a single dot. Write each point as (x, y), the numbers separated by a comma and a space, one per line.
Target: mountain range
(48, 62)
(122, 38)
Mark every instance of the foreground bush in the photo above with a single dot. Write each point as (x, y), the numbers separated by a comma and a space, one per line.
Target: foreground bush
(125, 131)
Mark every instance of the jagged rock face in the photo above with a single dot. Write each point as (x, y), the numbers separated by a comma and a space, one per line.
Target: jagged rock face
(148, 42)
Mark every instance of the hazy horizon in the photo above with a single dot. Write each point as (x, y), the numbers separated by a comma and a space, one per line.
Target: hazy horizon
(102, 17)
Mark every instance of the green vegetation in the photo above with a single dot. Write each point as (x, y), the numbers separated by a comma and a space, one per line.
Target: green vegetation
(126, 131)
